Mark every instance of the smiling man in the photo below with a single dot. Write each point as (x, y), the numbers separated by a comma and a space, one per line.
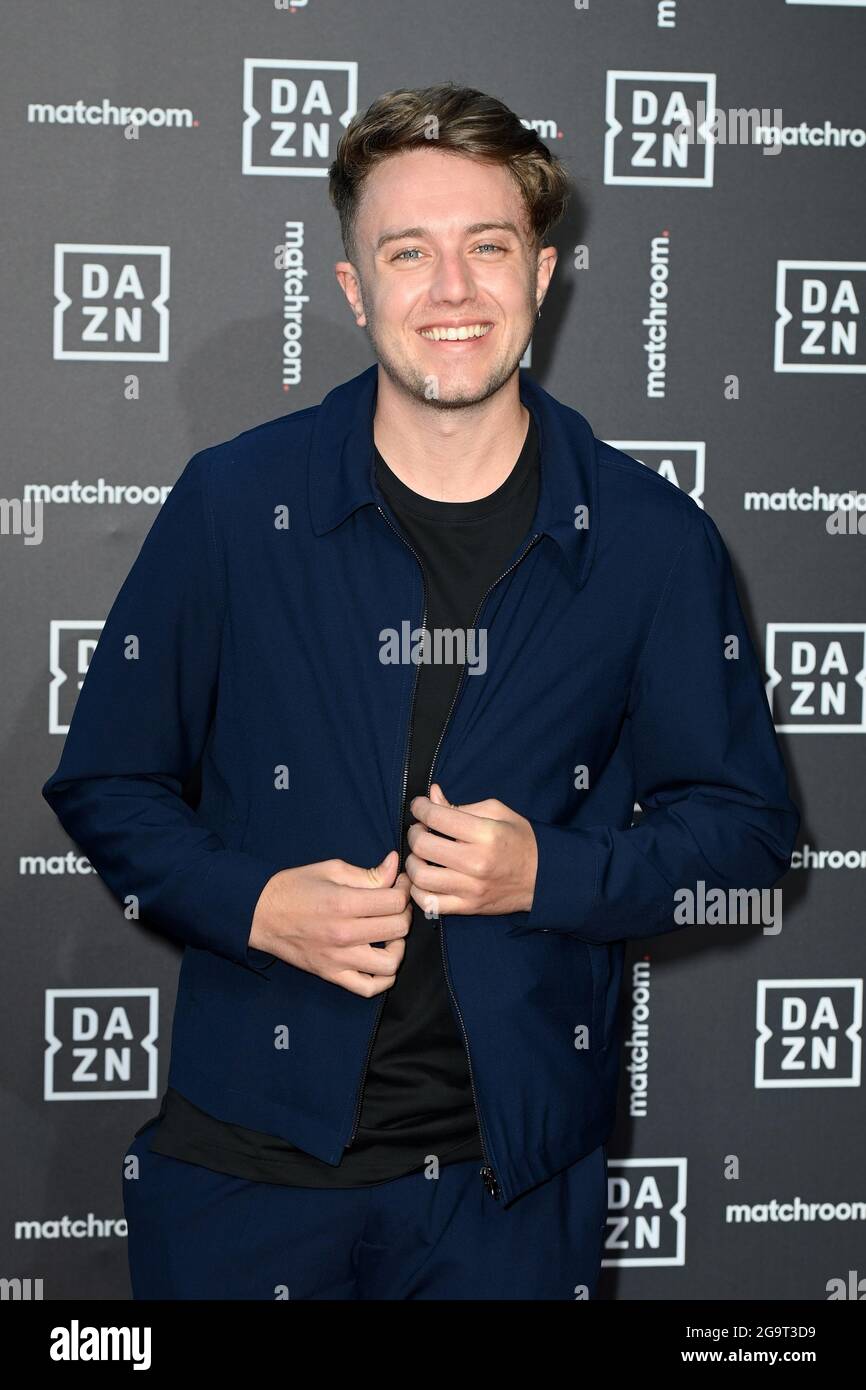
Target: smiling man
(403, 893)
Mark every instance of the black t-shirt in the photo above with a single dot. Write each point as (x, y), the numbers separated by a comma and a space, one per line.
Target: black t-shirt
(417, 1096)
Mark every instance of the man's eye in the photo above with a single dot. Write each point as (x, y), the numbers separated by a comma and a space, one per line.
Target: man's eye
(413, 251)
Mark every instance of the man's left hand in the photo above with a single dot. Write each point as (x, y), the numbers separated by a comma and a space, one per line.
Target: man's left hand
(486, 865)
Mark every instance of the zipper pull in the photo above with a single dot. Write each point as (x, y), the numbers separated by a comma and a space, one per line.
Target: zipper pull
(488, 1177)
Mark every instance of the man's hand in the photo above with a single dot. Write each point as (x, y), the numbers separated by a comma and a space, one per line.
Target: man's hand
(488, 863)
(323, 917)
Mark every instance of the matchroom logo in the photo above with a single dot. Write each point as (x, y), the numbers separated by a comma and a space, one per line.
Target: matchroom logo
(819, 316)
(111, 303)
(648, 117)
(809, 1033)
(296, 110)
(817, 677)
(71, 644)
(646, 1223)
(682, 462)
(101, 1044)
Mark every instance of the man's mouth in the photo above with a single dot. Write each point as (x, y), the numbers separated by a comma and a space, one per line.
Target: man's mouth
(455, 333)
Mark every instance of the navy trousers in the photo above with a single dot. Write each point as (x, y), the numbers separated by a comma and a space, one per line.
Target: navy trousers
(197, 1234)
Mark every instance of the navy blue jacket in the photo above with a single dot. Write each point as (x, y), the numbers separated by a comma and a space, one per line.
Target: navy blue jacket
(257, 601)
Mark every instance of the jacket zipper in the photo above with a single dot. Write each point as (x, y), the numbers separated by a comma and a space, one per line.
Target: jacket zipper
(487, 1174)
(381, 1004)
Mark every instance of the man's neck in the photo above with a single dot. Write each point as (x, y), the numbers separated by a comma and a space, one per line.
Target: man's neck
(450, 455)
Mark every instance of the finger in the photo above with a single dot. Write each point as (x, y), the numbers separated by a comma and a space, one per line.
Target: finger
(373, 902)
(371, 960)
(432, 879)
(489, 809)
(360, 876)
(448, 820)
(365, 931)
(438, 905)
(436, 849)
(366, 985)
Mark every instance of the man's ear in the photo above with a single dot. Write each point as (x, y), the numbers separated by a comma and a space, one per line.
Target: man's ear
(350, 284)
(544, 273)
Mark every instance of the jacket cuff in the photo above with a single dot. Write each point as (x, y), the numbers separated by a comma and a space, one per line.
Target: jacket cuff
(228, 897)
(565, 881)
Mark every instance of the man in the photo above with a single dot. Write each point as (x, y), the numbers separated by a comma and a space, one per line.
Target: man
(427, 644)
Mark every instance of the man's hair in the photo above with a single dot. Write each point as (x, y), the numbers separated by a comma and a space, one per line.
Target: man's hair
(451, 119)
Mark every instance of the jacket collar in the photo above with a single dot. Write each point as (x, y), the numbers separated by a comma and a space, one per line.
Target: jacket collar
(341, 464)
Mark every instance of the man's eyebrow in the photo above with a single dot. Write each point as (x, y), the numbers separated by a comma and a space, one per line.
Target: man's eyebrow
(421, 232)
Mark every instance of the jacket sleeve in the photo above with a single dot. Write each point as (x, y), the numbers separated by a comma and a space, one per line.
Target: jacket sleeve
(708, 771)
(139, 726)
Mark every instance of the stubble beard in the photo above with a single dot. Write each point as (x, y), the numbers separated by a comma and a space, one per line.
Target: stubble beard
(424, 388)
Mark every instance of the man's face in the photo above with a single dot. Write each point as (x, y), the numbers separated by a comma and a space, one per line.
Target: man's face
(428, 258)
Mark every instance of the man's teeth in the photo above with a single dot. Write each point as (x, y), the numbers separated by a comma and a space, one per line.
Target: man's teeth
(454, 335)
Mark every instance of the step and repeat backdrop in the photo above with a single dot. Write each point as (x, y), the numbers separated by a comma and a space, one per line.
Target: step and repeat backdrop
(169, 283)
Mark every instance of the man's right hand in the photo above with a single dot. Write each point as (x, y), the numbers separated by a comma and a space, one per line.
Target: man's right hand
(323, 918)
